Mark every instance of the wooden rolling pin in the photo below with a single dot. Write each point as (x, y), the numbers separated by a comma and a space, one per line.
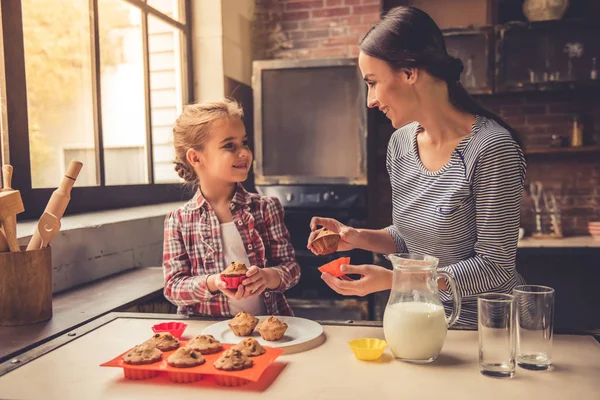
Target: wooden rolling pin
(58, 201)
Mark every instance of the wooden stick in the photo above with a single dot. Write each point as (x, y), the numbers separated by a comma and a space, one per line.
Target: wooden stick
(9, 222)
(3, 243)
(58, 201)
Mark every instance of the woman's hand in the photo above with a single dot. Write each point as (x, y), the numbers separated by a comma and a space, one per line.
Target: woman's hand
(373, 279)
(349, 237)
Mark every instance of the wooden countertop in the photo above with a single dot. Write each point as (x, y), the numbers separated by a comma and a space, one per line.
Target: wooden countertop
(328, 371)
(568, 242)
(78, 306)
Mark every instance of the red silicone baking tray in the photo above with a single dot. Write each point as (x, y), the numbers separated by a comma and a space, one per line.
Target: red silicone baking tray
(226, 378)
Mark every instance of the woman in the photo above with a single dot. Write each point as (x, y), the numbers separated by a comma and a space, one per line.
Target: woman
(456, 169)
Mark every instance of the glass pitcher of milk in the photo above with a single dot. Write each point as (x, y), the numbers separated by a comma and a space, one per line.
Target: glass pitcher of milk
(414, 322)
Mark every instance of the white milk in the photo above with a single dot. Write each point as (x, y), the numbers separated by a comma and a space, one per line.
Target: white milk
(415, 330)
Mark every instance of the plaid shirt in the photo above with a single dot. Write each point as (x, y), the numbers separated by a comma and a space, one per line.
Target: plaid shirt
(193, 248)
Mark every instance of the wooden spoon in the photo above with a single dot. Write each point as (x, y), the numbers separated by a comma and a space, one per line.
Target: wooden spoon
(48, 226)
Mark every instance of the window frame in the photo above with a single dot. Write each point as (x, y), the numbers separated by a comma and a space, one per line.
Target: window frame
(94, 198)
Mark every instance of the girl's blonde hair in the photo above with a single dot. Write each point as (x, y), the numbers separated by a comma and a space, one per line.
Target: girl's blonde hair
(192, 128)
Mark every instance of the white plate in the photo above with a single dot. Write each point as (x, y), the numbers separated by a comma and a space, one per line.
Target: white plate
(299, 331)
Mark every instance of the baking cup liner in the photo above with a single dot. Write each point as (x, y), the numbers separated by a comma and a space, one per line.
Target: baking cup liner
(368, 349)
(174, 328)
(184, 377)
(232, 281)
(333, 267)
(224, 380)
(139, 374)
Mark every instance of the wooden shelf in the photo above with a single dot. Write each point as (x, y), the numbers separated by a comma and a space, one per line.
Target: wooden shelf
(562, 150)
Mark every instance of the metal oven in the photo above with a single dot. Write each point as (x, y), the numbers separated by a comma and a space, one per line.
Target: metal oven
(310, 138)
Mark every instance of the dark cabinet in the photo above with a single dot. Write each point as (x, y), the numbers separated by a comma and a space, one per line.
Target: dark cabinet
(475, 49)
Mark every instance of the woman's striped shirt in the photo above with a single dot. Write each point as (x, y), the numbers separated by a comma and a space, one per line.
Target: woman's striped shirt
(466, 214)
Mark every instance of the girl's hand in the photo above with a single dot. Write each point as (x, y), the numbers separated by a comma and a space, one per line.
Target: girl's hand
(373, 279)
(231, 293)
(259, 280)
(349, 237)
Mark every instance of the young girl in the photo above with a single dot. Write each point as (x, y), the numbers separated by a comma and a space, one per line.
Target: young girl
(223, 223)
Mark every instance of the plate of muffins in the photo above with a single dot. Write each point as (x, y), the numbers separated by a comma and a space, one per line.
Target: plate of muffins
(277, 332)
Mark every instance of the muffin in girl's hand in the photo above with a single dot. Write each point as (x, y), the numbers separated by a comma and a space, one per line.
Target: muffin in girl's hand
(185, 357)
(143, 354)
(205, 344)
(250, 347)
(272, 329)
(326, 242)
(234, 274)
(243, 324)
(163, 341)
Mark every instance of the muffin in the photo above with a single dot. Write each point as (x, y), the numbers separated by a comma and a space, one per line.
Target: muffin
(234, 274)
(142, 354)
(250, 347)
(185, 357)
(272, 329)
(163, 341)
(326, 242)
(233, 360)
(243, 324)
(205, 344)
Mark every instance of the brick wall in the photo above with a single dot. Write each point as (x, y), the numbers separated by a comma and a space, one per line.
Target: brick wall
(574, 178)
(332, 28)
(312, 28)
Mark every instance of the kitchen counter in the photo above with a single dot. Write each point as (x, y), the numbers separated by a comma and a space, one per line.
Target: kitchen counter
(83, 304)
(567, 242)
(68, 368)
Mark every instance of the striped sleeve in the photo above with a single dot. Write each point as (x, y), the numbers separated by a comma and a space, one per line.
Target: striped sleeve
(398, 239)
(181, 288)
(497, 187)
(392, 230)
(283, 258)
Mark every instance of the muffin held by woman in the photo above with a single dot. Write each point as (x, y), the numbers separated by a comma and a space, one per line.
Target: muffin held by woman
(185, 357)
(243, 324)
(205, 344)
(233, 360)
(234, 274)
(250, 347)
(326, 242)
(143, 354)
(272, 329)
(163, 341)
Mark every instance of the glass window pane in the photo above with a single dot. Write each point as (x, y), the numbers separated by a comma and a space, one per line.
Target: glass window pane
(60, 103)
(171, 8)
(166, 94)
(122, 91)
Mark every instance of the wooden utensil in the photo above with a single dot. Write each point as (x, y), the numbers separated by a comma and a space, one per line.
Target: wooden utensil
(7, 171)
(48, 227)
(58, 201)
(11, 204)
(3, 243)
(536, 189)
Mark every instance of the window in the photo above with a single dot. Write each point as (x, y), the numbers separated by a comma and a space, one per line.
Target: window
(99, 81)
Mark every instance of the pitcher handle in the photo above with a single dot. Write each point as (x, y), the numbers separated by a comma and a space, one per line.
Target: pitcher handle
(457, 305)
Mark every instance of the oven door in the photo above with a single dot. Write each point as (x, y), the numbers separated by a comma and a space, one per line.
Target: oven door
(311, 297)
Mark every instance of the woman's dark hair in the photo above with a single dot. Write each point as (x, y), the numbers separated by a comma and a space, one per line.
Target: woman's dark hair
(406, 37)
